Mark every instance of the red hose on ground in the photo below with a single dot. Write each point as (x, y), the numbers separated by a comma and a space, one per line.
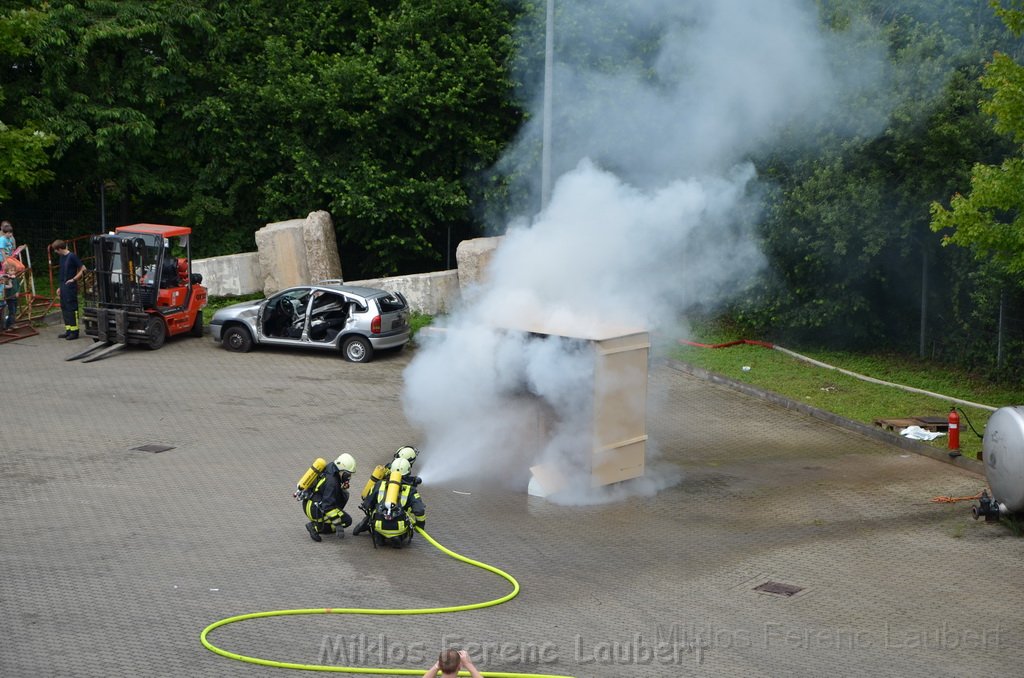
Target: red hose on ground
(752, 342)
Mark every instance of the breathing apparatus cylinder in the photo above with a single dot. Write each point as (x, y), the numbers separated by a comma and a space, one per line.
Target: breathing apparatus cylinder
(378, 473)
(394, 486)
(309, 477)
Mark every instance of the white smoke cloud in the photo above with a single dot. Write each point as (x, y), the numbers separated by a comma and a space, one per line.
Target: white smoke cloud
(652, 215)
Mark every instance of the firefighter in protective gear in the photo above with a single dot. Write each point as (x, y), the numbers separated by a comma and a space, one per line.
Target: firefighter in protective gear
(324, 507)
(394, 507)
(406, 452)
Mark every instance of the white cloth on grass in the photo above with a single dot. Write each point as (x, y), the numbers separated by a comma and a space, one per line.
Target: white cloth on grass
(918, 433)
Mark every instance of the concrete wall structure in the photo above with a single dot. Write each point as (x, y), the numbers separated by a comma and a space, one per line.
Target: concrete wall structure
(434, 293)
(232, 275)
(300, 251)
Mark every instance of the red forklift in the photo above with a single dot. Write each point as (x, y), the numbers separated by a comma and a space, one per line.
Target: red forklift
(144, 290)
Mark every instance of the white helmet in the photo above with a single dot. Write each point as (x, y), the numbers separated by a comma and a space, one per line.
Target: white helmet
(408, 453)
(401, 465)
(345, 462)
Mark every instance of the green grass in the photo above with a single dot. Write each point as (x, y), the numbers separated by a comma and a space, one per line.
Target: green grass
(848, 396)
(418, 321)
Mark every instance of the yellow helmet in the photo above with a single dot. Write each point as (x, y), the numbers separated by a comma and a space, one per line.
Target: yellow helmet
(408, 453)
(345, 462)
(401, 465)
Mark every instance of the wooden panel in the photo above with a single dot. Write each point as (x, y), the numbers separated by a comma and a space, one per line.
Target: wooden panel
(613, 465)
(620, 396)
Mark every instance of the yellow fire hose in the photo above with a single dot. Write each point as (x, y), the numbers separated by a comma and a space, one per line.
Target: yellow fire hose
(354, 610)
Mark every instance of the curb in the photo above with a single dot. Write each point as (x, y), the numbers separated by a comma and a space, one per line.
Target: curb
(965, 463)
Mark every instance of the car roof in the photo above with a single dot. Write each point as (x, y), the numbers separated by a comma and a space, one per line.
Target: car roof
(356, 290)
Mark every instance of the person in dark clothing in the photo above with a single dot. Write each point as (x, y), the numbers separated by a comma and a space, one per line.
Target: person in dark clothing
(71, 269)
(325, 506)
(10, 295)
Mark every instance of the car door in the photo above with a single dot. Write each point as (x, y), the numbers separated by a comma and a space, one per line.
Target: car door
(328, 314)
(394, 313)
(283, 317)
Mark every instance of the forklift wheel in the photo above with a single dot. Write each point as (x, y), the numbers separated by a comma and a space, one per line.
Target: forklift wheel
(156, 333)
(197, 326)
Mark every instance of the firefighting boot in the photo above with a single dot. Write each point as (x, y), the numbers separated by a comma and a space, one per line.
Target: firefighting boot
(313, 533)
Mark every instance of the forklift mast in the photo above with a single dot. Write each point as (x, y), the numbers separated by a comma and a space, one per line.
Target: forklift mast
(121, 261)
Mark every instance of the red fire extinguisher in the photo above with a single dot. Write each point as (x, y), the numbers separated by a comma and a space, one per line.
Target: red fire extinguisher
(954, 431)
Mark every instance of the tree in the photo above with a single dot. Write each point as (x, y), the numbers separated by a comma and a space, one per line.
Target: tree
(990, 218)
(226, 115)
(108, 81)
(847, 227)
(382, 113)
(23, 146)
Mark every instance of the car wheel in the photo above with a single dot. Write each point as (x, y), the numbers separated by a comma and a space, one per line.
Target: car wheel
(156, 333)
(237, 339)
(357, 350)
(197, 326)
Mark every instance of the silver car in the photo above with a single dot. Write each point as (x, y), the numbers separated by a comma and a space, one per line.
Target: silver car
(330, 315)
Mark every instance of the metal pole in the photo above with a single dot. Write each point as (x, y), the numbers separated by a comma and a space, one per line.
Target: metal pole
(999, 344)
(924, 299)
(545, 159)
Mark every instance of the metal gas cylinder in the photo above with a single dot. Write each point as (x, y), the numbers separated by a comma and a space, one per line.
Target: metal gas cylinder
(1003, 452)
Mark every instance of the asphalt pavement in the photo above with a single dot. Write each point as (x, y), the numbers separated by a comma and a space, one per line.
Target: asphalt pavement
(148, 495)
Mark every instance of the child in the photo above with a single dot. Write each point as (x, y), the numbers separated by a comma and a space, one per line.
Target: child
(449, 663)
(7, 243)
(10, 286)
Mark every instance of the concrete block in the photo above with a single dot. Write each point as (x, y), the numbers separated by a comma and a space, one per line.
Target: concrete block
(231, 275)
(473, 257)
(321, 243)
(282, 255)
(298, 252)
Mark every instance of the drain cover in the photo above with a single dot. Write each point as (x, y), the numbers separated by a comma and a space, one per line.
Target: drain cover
(153, 448)
(779, 589)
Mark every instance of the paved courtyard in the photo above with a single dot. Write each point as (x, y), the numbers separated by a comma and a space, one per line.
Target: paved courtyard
(114, 559)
